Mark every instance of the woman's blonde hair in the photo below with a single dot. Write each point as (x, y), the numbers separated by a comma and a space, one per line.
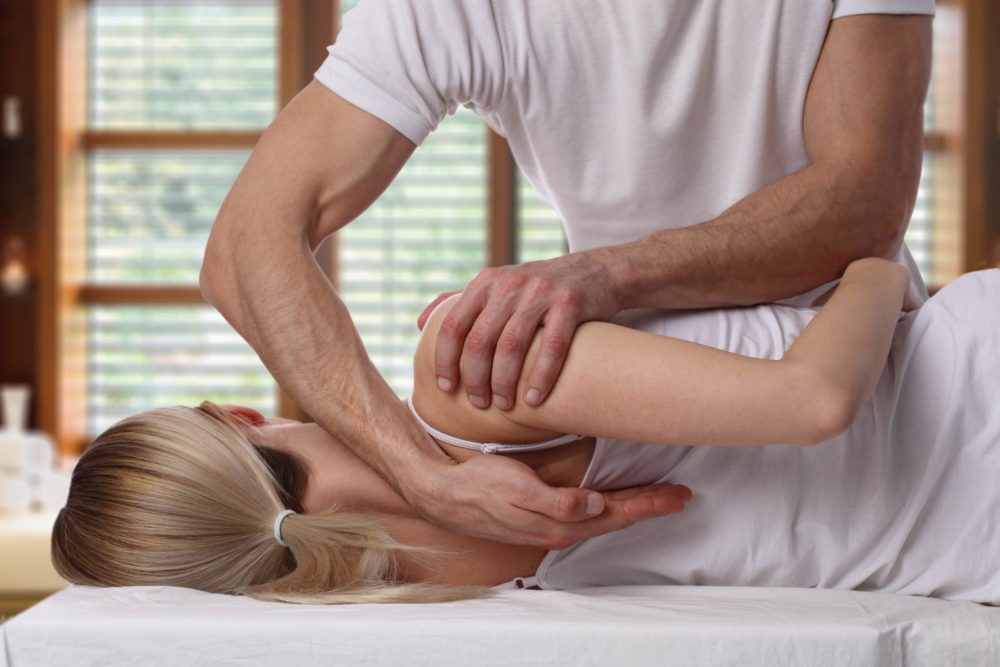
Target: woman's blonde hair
(179, 496)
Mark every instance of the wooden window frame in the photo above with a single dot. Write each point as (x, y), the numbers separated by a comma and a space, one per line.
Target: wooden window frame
(305, 28)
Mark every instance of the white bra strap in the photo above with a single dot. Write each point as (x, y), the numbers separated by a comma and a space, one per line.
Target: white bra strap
(487, 447)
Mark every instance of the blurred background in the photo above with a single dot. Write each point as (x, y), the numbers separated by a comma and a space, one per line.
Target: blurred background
(126, 121)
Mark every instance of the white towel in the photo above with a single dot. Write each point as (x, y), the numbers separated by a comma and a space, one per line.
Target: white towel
(49, 490)
(15, 494)
(30, 451)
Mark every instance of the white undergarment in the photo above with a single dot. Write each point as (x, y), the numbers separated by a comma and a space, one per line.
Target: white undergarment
(488, 447)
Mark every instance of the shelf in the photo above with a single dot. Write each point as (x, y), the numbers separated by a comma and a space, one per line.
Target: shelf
(27, 296)
(18, 143)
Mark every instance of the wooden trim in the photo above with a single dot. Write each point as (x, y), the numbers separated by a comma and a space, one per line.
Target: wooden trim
(11, 605)
(948, 144)
(502, 214)
(306, 28)
(62, 48)
(169, 140)
(991, 60)
(321, 25)
(976, 251)
(935, 141)
(289, 409)
(106, 294)
(291, 34)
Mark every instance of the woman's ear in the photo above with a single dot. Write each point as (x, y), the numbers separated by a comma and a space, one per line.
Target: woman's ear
(245, 413)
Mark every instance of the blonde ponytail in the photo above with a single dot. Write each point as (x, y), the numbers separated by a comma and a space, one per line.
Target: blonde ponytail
(180, 497)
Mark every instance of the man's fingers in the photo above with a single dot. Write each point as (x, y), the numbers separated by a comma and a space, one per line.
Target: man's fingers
(679, 490)
(618, 514)
(561, 504)
(510, 503)
(451, 336)
(422, 320)
(559, 327)
(621, 510)
(512, 346)
(476, 364)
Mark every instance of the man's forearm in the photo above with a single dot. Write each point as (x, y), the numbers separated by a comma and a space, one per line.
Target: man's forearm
(786, 239)
(310, 173)
(273, 292)
(863, 134)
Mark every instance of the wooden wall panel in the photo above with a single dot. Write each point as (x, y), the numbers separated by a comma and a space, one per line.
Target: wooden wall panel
(18, 187)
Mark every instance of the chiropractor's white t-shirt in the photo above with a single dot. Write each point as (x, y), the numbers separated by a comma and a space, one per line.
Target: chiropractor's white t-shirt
(627, 116)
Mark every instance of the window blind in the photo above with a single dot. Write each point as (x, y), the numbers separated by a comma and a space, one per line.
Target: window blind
(920, 233)
(150, 212)
(426, 234)
(539, 229)
(169, 66)
(156, 64)
(143, 357)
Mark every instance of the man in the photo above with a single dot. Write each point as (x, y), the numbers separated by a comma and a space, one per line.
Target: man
(700, 152)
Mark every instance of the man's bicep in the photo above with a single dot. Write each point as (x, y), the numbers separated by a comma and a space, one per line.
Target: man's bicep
(869, 85)
(328, 158)
(864, 108)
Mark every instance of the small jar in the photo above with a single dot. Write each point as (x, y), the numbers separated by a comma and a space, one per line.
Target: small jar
(11, 117)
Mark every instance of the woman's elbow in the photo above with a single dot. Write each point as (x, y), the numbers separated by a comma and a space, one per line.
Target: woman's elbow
(831, 412)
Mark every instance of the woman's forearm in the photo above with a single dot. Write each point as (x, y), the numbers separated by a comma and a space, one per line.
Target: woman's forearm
(846, 345)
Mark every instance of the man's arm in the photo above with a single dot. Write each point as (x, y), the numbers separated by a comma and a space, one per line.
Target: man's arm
(320, 164)
(863, 127)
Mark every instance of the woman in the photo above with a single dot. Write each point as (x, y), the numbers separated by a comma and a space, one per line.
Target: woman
(901, 496)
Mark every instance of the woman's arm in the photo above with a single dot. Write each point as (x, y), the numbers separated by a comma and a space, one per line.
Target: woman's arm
(632, 385)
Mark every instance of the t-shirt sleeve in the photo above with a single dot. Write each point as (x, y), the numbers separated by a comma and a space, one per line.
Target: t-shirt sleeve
(412, 62)
(843, 8)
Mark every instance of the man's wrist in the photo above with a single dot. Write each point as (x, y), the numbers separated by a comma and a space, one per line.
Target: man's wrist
(629, 272)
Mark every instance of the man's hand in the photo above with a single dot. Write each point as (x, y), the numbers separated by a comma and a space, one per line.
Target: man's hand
(503, 499)
(484, 338)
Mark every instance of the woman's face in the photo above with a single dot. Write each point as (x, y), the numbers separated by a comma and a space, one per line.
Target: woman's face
(335, 475)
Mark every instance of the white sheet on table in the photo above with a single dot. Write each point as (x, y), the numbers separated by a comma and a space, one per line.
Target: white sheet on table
(627, 625)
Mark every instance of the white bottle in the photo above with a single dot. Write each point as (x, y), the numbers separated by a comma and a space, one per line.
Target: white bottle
(11, 117)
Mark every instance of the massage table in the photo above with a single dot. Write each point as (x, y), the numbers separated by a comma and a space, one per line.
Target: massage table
(626, 625)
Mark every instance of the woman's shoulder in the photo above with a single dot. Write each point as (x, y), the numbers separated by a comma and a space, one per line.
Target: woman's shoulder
(452, 412)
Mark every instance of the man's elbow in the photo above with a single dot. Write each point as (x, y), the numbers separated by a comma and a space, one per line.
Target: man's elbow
(211, 278)
(882, 203)
(877, 219)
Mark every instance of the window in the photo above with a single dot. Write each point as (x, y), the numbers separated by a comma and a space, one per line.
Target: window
(935, 234)
(179, 70)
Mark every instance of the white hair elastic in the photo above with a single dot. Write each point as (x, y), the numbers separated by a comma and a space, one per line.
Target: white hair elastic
(277, 526)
